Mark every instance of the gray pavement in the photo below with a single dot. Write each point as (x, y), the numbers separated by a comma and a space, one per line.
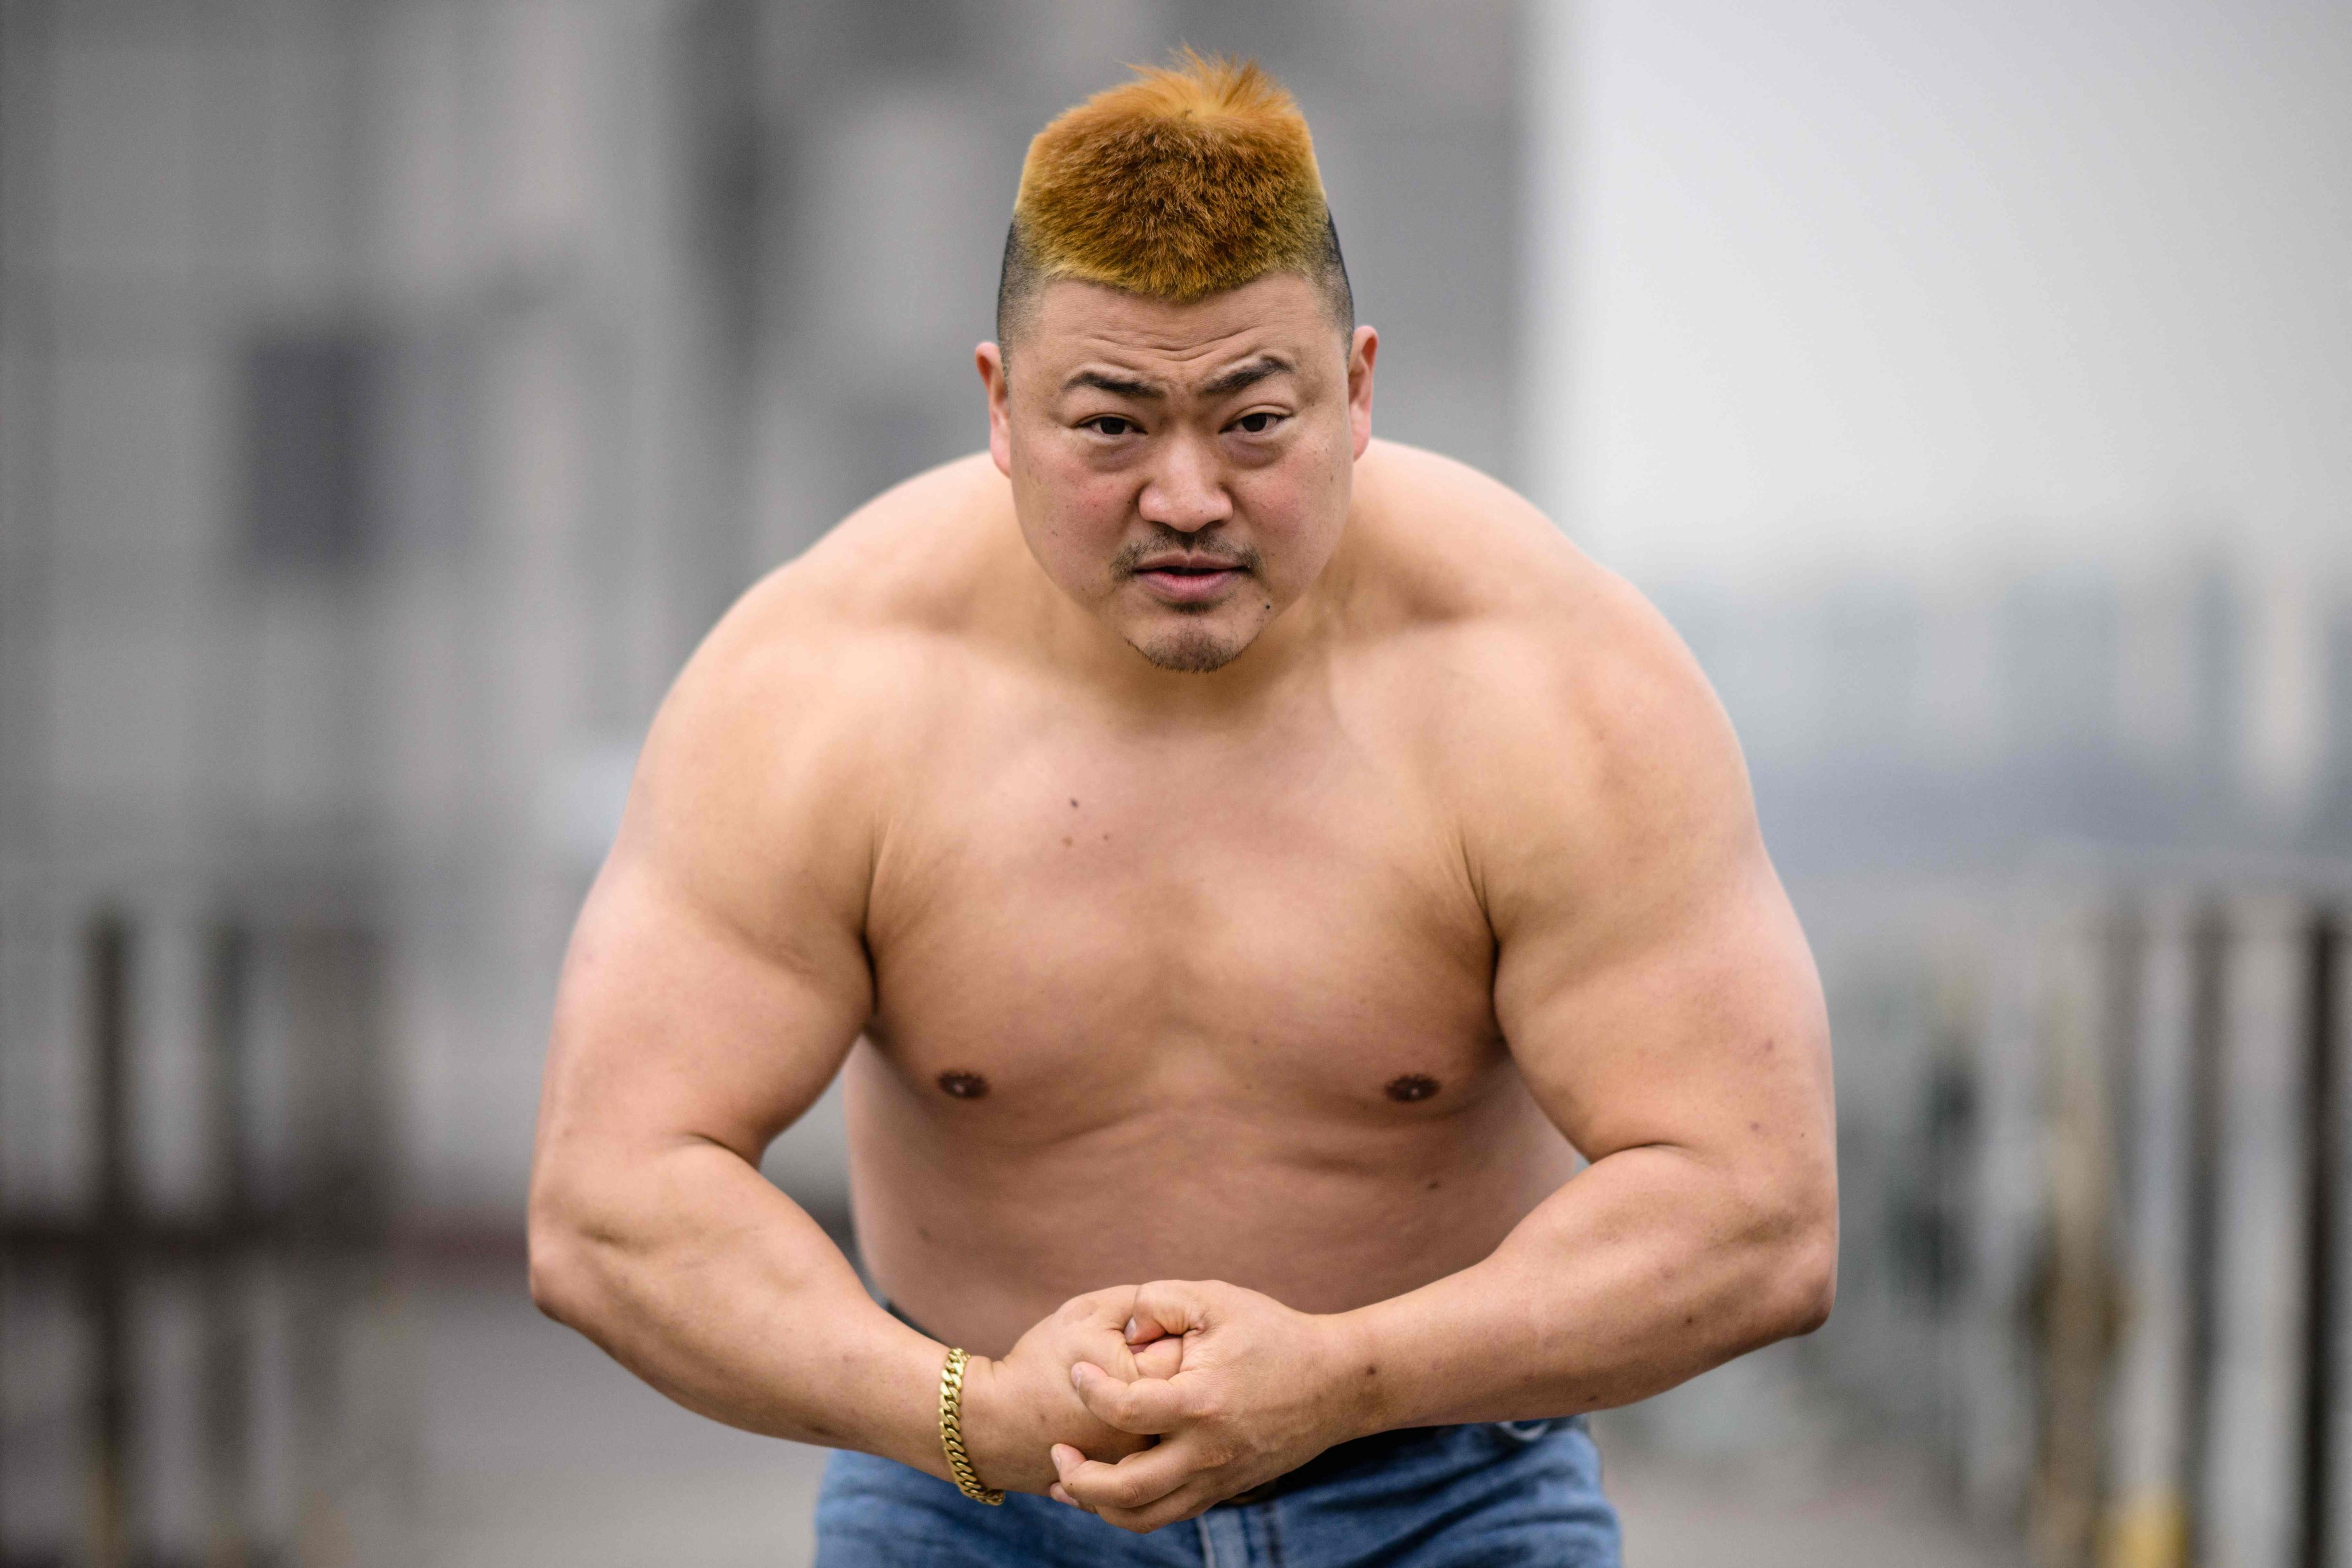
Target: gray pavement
(1682, 1513)
(537, 1449)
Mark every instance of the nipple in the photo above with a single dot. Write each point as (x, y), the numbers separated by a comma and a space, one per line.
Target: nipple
(964, 1085)
(1411, 1086)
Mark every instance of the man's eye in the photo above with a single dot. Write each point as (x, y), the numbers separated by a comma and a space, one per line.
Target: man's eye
(1256, 424)
(1111, 424)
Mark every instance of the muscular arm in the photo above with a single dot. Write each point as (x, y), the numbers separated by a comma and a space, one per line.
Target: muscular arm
(1661, 1004)
(716, 981)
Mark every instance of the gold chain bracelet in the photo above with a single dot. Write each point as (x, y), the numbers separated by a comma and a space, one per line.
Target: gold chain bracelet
(951, 1433)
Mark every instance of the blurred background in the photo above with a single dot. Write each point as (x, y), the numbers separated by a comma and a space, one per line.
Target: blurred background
(391, 393)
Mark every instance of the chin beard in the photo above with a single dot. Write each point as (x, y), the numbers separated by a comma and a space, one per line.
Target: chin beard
(1193, 651)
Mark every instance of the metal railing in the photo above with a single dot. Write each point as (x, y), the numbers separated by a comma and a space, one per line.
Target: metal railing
(278, 1258)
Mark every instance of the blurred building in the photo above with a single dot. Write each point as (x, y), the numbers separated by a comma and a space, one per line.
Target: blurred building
(1962, 723)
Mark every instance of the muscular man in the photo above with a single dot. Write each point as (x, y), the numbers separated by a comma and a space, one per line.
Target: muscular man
(1239, 866)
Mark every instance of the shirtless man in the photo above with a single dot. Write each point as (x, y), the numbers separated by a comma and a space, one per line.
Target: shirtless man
(1241, 864)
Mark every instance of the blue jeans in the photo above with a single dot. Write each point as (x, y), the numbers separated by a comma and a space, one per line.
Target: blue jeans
(1495, 1495)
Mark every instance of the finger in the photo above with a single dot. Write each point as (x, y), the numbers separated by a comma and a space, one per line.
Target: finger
(1109, 1308)
(1146, 1407)
(1143, 1330)
(1173, 1306)
(1065, 1460)
(1185, 1502)
(1135, 1483)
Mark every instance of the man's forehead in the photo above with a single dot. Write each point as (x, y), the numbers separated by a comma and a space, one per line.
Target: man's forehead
(1076, 320)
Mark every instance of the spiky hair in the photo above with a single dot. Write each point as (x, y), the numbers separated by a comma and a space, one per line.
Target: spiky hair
(1189, 180)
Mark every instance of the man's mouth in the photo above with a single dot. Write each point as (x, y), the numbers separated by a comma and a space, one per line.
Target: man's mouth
(1179, 581)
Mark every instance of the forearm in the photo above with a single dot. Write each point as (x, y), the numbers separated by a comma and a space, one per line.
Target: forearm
(1646, 1269)
(690, 1269)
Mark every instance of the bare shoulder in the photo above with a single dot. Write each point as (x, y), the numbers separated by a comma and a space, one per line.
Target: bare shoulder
(771, 744)
(904, 562)
(1567, 723)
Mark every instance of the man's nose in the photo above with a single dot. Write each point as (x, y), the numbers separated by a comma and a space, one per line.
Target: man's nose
(1185, 491)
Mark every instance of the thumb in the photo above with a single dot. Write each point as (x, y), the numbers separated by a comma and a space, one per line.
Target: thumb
(1162, 1358)
(1147, 1406)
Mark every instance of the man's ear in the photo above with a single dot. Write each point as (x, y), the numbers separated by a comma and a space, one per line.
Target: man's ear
(1362, 349)
(990, 362)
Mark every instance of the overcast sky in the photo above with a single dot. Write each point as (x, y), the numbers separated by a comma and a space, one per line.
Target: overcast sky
(1918, 285)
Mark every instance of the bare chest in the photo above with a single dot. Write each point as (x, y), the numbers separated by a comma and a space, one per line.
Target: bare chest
(1075, 929)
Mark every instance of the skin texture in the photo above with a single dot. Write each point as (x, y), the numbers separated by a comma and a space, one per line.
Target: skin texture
(1227, 969)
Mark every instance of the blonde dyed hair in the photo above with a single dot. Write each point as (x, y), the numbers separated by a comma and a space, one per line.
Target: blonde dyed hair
(1188, 181)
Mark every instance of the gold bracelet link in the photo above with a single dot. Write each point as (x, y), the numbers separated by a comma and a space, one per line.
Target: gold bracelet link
(967, 1480)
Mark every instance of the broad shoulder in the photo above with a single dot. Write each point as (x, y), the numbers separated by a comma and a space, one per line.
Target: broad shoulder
(1442, 549)
(1564, 718)
(860, 610)
(776, 736)
(1478, 583)
(906, 561)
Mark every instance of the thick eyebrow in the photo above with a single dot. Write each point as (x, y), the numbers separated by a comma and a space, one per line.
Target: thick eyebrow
(1246, 374)
(1223, 384)
(1116, 385)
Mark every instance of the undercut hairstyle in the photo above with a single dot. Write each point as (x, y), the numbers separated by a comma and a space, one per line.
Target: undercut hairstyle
(1189, 180)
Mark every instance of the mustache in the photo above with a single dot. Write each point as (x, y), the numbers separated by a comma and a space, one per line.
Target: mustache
(1198, 548)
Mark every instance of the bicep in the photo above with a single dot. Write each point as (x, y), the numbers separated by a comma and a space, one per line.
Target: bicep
(672, 1021)
(1697, 1024)
(1650, 976)
(718, 976)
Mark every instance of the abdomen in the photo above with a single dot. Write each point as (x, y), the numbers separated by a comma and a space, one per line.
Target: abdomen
(978, 1224)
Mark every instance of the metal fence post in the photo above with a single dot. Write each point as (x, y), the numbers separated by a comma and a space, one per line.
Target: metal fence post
(2147, 1522)
(2248, 1508)
(106, 1262)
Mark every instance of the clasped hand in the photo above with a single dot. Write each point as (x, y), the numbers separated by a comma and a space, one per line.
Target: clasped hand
(1148, 1404)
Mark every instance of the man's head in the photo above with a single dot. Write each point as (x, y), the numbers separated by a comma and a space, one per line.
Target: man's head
(1178, 390)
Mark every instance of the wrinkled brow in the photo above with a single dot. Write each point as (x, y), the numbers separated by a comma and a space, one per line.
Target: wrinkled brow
(1248, 373)
(1116, 385)
(1224, 384)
